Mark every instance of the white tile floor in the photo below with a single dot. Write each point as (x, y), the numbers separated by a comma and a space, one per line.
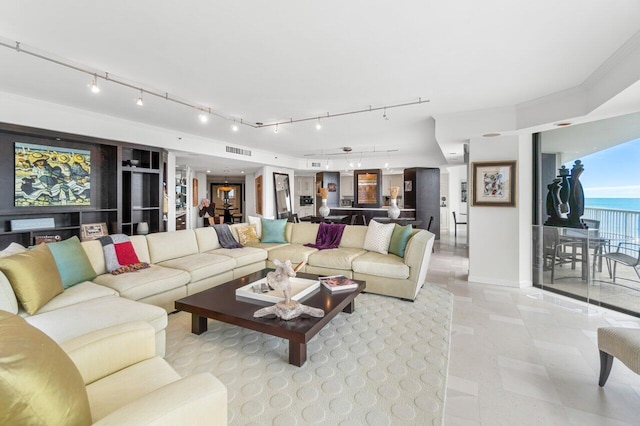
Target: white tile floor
(527, 357)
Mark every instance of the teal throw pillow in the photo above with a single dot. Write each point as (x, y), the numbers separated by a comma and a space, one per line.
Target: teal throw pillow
(72, 262)
(273, 230)
(399, 239)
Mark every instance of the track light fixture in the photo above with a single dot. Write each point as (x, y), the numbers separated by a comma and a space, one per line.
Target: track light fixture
(36, 53)
(234, 126)
(94, 84)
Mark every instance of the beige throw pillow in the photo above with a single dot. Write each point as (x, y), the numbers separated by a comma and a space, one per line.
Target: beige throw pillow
(34, 277)
(378, 237)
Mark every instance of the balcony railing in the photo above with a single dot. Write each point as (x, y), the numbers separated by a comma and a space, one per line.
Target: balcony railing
(619, 222)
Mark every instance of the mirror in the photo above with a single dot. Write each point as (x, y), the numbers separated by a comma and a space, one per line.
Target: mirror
(283, 195)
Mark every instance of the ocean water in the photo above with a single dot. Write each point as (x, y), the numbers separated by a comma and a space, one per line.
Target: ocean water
(632, 204)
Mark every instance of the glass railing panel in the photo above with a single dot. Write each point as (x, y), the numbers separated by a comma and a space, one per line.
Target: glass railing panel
(580, 263)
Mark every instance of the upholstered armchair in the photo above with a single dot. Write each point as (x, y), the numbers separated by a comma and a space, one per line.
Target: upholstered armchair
(108, 377)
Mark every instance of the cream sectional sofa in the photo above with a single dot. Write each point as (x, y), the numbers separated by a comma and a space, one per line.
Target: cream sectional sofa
(189, 261)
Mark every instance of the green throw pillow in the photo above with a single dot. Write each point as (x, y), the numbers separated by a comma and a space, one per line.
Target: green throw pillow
(399, 239)
(273, 230)
(72, 262)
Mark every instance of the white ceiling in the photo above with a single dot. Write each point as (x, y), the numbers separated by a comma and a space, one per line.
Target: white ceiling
(271, 61)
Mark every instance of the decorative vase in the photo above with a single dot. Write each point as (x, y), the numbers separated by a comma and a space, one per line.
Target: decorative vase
(142, 228)
(394, 211)
(324, 209)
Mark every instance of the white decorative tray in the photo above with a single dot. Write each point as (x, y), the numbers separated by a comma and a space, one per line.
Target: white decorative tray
(300, 287)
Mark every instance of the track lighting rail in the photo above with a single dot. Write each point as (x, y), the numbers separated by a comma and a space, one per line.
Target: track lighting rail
(201, 109)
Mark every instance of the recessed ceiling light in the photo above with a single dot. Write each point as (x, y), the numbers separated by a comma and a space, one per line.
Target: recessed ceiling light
(491, 135)
(242, 171)
(564, 123)
(208, 171)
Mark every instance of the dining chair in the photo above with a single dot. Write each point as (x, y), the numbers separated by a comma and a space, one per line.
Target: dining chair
(456, 223)
(558, 252)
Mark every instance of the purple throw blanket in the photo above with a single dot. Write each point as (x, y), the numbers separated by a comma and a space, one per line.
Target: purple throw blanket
(329, 236)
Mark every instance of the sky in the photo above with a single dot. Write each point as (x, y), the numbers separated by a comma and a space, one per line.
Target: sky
(613, 172)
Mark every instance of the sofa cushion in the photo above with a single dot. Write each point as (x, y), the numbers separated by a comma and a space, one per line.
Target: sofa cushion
(145, 282)
(130, 384)
(243, 256)
(384, 265)
(201, 265)
(378, 237)
(207, 239)
(96, 314)
(266, 246)
(38, 382)
(273, 230)
(353, 236)
(33, 276)
(399, 239)
(171, 245)
(77, 294)
(296, 253)
(72, 262)
(248, 235)
(304, 233)
(338, 258)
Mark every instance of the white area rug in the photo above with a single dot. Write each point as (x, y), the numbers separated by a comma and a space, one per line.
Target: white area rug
(384, 364)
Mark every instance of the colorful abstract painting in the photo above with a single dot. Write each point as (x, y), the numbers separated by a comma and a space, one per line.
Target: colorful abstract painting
(51, 176)
(494, 184)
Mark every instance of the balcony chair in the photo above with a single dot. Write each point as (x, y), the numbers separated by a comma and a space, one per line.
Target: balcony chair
(456, 223)
(627, 254)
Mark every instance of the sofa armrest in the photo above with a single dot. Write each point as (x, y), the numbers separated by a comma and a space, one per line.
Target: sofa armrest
(200, 399)
(417, 256)
(104, 352)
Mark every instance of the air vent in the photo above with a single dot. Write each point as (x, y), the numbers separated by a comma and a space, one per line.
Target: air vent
(239, 151)
(316, 165)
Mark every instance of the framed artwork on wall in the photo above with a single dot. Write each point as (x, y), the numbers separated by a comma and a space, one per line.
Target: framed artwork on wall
(368, 188)
(464, 193)
(51, 176)
(194, 194)
(258, 183)
(493, 184)
(92, 231)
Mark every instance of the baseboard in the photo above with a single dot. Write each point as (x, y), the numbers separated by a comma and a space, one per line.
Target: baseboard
(503, 283)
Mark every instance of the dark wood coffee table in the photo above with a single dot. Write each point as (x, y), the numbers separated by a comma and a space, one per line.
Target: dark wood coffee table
(220, 303)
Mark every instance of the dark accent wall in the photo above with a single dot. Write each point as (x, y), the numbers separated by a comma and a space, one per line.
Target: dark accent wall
(424, 196)
(322, 181)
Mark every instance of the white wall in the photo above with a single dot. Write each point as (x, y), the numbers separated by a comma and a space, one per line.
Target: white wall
(500, 237)
(250, 194)
(457, 174)
(268, 194)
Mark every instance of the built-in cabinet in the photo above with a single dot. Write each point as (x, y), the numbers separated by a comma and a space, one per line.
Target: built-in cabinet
(305, 187)
(126, 187)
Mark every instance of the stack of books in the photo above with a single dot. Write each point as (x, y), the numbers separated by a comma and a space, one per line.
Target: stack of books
(337, 283)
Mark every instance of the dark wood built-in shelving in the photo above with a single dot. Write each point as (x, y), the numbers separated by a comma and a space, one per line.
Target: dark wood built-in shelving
(121, 195)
